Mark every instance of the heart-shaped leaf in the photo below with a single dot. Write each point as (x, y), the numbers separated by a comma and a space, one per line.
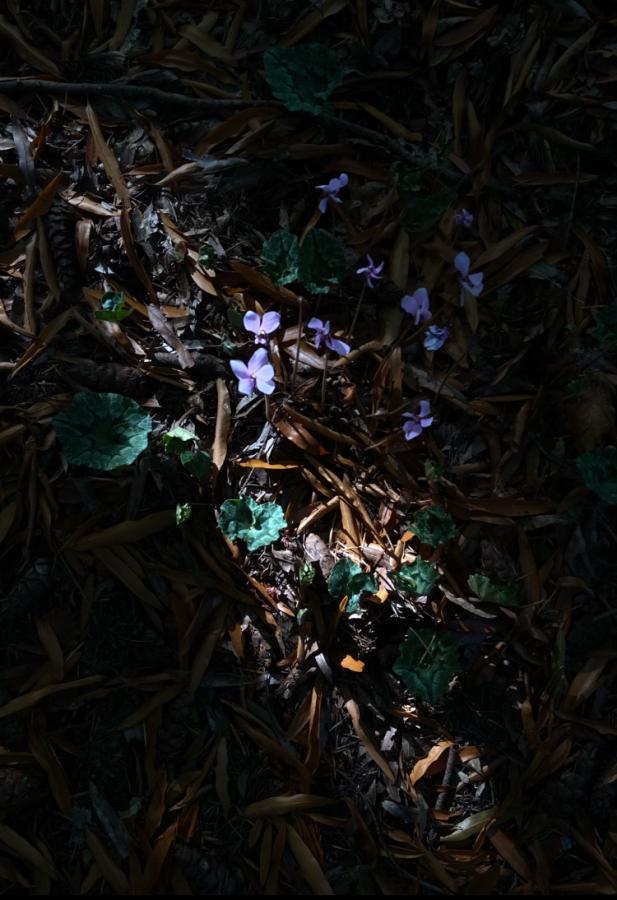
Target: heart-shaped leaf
(304, 76)
(257, 524)
(322, 261)
(434, 526)
(347, 579)
(280, 257)
(417, 578)
(426, 663)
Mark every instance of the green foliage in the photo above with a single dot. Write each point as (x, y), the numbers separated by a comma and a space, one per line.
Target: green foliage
(434, 526)
(258, 524)
(598, 470)
(183, 513)
(423, 213)
(197, 464)
(306, 573)
(206, 255)
(281, 257)
(322, 261)
(426, 663)
(492, 590)
(304, 76)
(318, 263)
(102, 431)
(417, 578)
(347, 579)
(433, 471)
(113, 308)
(606, 325)
(177, 439)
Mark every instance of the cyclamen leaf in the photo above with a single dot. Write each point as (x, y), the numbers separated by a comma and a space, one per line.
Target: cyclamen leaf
(598, 470)
(280, 257)
(304, 76)
(102, 431)
(417, 578)
(322, 261)
(426, 663)
(113, 308)
(177, 439)
(197, 464)
(491, 590)
(434, 526)
(183, 513)
(257, 524)
(347, 579)
(424, 213)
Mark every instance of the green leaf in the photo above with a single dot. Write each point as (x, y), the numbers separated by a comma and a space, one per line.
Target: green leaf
(183, 513)
(257, 524)
(177, 439)
(197, 464)
(206, 255)
(280, 257)
(306, 573)
(424, 213)
(347, 579)
(417, 578)
(492, 590)
(598, 470)
(113, 308)
(606, 325)
(426, 663)
(434, 526)
(102, 431)
(304, 76)
(322, 261)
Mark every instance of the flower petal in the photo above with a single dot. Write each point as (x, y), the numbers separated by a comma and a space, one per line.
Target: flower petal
(339, 347)
(252, 322)
(343, 179)
(264, 379)
(238, 367)
(246, 386)
(409, 304)
(412, 430)
(462, 263)
(270, 322)
(425, 408)
(323, 205)
(317, 324)
(257, 360)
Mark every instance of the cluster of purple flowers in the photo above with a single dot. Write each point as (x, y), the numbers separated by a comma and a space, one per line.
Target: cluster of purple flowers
(418, 306)
(258, 371)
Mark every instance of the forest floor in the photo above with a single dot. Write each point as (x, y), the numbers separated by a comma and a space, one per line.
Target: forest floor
(180, 714)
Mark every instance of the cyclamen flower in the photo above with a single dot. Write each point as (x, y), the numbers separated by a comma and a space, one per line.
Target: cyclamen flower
(261, 325)
(417, 305)
(464, 218)
(372, 271)
(417, 422)
(435, 337)
(322, 333)
(331, 190)
(473, 284)
(256, 373)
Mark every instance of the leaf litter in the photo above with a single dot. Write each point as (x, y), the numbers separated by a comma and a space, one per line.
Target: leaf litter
(344, 622)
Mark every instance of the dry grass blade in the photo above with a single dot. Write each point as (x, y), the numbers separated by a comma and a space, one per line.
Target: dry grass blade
(222, 429)
(108, 159)
(309, 866)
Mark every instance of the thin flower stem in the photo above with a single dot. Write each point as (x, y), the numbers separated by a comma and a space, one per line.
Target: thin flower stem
(325, 377)
(268, 408)
(297, 356)
(357, 312)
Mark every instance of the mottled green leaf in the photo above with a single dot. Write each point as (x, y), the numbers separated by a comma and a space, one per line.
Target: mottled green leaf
(304, 76)
(322, 261)
(198, 463)
(183, 513)
(347, 579)
(177, 439)
(102, 431)
(423, 213)
(598, 470)
(434, 526)
(280, 257)
(417, 578)
(257, 524)
(492, 590)
(426, 663)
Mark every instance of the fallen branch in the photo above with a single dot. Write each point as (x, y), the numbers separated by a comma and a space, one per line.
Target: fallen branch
(170, 98)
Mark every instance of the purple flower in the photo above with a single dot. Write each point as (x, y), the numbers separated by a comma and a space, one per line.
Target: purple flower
(435, 337)
(331, 189)
(417, 305)
(372, 271)
(464, 218)
(261, 325)
(322, 332)
(417, 422)
(473, 284)
(256, 373)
